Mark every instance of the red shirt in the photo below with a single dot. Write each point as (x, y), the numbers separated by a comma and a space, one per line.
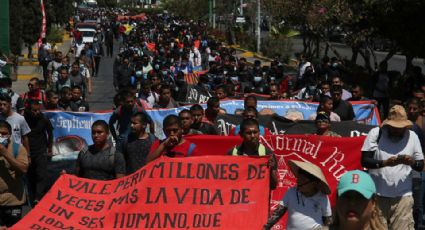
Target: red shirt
(181, 150)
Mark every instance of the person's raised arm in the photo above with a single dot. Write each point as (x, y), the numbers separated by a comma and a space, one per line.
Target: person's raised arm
(20, 163)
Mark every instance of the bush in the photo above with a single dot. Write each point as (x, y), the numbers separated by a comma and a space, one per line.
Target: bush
(271, 46)
(55, 35)
(246, 40)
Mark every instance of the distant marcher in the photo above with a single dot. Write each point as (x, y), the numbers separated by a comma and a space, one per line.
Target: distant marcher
(326, 106)
(100, 161)
(198, 121)
(186, 120)
(138, 144)
(40, 142)
(174, 145)
(251, 146)
(165, 101)
(122, 118)
(323, 122)
(341, 107)
(20, 128)
(78, 103)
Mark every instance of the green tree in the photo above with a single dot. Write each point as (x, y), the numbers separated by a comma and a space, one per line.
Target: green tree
(32, 19)
(16, 25)
(107, 3)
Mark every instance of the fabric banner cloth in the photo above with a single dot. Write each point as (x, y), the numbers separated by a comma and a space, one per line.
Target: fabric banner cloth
(79, 123)
(74, 123)
(333, 155)
(195, 96)
(43, 24)
(280, 125)
(212, 192)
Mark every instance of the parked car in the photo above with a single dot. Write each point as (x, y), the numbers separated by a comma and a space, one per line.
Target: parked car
(87, 34)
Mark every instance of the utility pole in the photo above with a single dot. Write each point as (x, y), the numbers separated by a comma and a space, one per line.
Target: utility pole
(213, 17)
(210, 12)
(258, 25)
(241, 7)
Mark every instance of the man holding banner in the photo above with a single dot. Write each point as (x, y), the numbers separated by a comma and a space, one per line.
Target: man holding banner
(251, 146)
(174, 145)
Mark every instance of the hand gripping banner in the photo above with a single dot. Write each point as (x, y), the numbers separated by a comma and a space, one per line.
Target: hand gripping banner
(213, 192)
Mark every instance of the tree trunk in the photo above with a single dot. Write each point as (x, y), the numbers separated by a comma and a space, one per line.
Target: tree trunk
(409, 64)
(390, 55)
(355, 51)
(366, 57)
(326, 49)
(333, 50)
(317, 47)
(29, 51)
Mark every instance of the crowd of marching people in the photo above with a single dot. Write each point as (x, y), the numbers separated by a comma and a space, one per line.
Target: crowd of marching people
(160, 58)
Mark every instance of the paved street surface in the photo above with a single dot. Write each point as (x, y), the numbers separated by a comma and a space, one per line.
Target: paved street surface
(103, 90)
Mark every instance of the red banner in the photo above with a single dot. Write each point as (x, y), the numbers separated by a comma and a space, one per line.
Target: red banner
(213, 192)
(333, 155)
(43, 24)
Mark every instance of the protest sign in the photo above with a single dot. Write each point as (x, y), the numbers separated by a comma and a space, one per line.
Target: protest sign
(333, 155)
(280, 125)
(365, 111)
(195, 96)
(73, 123)
(214, 192)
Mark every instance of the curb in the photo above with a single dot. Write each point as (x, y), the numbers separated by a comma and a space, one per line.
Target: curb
(26, 77)
(256, 55)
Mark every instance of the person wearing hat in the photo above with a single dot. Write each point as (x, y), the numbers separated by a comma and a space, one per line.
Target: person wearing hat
(323, 124)
(390, 153)
(307, 204)
(356, 205)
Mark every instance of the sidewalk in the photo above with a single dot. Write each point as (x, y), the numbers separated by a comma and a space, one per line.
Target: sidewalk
(28, 69)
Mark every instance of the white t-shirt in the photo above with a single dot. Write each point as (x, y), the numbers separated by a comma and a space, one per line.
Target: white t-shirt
(393, 181)
(305, 212)
(303, 66)
(19, 127)
(2, 63)
(78, 49)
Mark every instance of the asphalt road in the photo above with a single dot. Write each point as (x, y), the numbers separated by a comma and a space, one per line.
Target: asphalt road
(397, 62)
(103, 90)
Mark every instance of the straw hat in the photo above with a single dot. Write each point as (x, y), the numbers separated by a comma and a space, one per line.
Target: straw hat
(397, 118)
(313, 170)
